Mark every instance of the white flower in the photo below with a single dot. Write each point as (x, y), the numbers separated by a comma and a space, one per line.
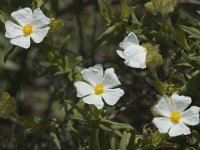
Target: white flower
(134, 54)
(100, 85)
(174, 116)
(31, 25)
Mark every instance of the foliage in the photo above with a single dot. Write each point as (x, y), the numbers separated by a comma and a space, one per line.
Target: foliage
(38, 104)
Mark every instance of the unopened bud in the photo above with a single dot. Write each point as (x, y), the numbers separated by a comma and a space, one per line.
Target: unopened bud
(56, 25)
(154, 59)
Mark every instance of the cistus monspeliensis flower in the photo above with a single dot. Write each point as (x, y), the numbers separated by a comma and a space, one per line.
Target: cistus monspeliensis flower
(31, 25)
(99, 86)
(175, 118)
(133, 53)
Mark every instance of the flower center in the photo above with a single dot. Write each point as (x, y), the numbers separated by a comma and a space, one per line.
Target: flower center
(175, 117)
(99, 89)
(27, 29)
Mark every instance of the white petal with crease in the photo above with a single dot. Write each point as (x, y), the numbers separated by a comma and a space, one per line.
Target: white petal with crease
(111, 96)
(110, 79)
(39, 34)
(191, 116)
(83, 89)
(39, 19)
(163, 124)
(163, 107)
(22, 41)
(94, 99)
(13, 30)
(120, 53)
(135, 56)
(180, 103)
(23, 16)
(179, 129)
(93, 74)
(129, 40)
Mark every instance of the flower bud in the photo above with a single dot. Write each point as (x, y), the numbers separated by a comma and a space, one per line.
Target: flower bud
(154, 59)
(56, 25)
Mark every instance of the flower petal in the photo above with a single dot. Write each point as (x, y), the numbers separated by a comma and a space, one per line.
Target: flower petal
(83, 89)
(163, 124)
(12, 30)
(94, 99)
(179, 129)
(93, 74)
(191, 116)
(39, 34)
(135, 56)
(163, 107)
(23, 16)
(110, 79)
(120, 53)
(111, 96)
(180, 103)
(22, 41)
(129, 40)
(39, 19)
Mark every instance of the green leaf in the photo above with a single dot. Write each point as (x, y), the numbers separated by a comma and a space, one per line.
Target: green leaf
(180, 39)
(107, 34)
(70, 127)
(113, 143)
(66, 43)
(126, 11)
(7, 105)
(56, 140)
(117, 132)
(37, 3)
(193, 32)
(105, 128)
(94, 139)
(45, 64)
(2, 19)
(116, 125)
(106, 10)
(193, 86)
(158, 139)
(3, 16)
(192, 59)
(125, 140)
(135, 20)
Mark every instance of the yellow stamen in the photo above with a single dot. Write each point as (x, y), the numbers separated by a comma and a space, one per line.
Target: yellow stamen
(99, 89)
(175, 117)
(27, 29)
